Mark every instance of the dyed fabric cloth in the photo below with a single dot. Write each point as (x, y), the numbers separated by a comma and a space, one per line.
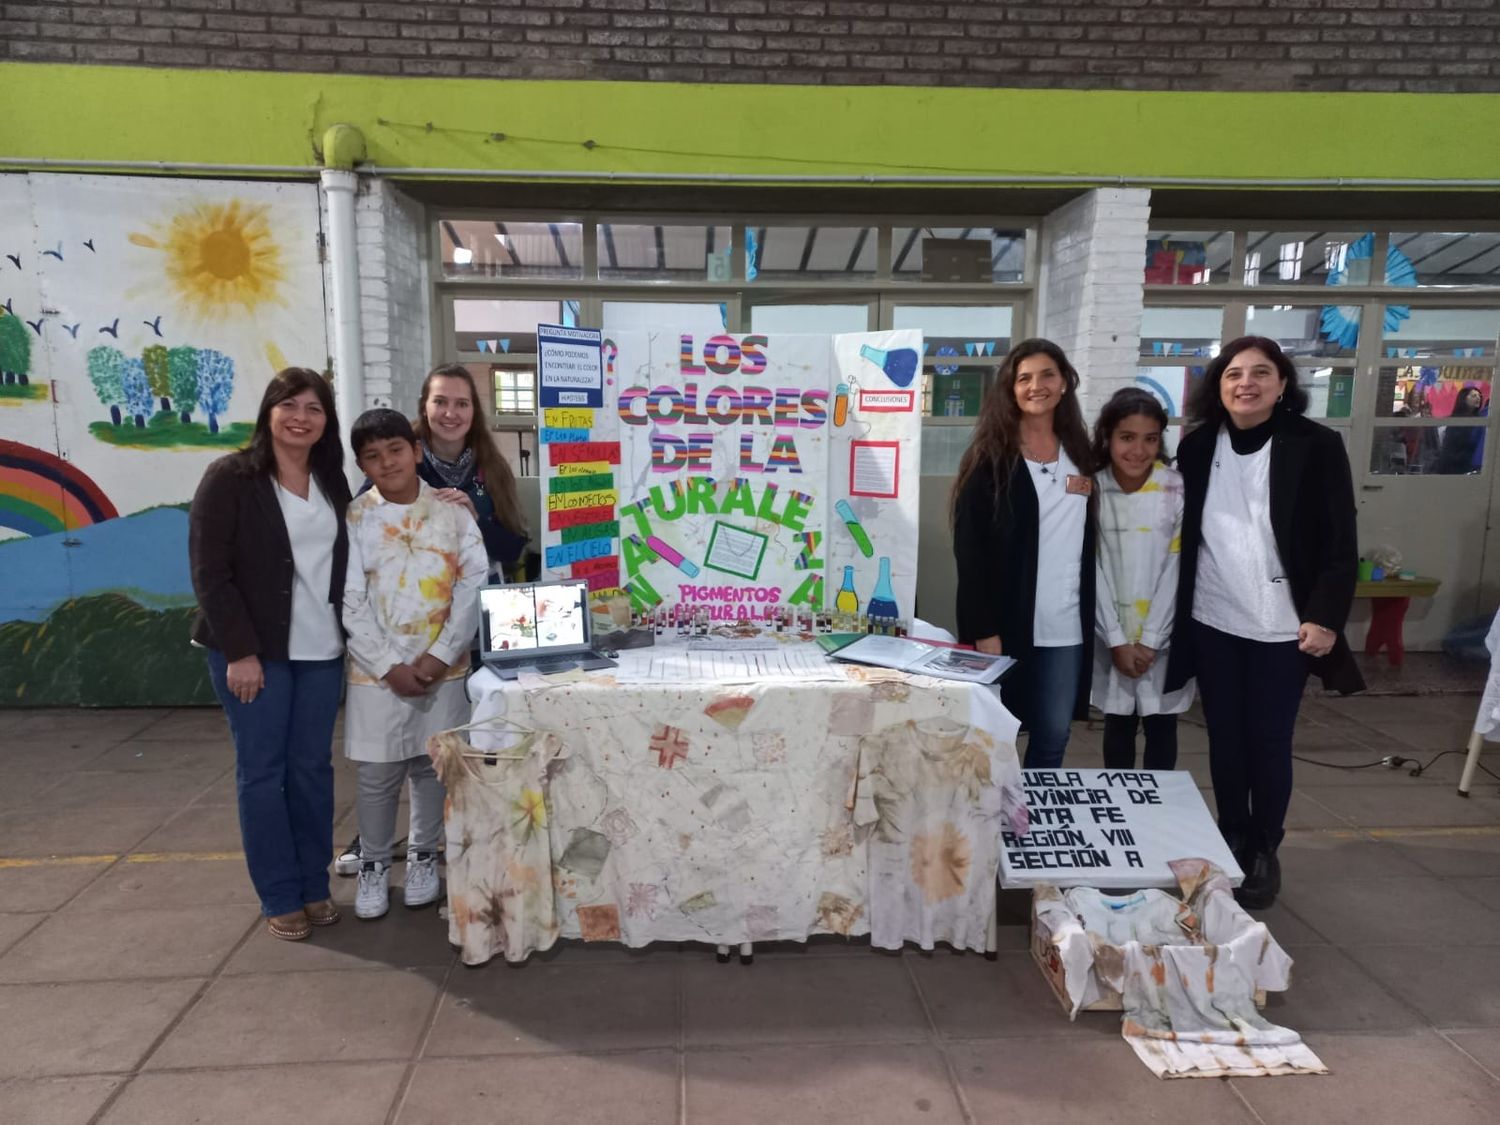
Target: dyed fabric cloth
(1187, 971)
(743, 813)
(1487, 722)
(412, 588)
(499, 859)
(1140, 539)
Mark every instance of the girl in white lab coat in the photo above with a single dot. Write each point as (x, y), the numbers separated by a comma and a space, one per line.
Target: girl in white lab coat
(1140, 529)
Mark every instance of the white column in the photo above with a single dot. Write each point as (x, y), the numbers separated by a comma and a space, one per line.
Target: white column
(1091, 287)
(339, 190)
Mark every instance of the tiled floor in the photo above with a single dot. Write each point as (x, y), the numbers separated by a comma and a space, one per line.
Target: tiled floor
(136, 984)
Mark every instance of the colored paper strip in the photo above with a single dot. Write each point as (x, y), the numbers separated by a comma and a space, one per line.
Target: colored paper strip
(584, 451)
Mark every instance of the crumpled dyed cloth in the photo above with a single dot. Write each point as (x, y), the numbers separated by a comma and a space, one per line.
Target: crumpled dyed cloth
(1189, 990)
(751, 812)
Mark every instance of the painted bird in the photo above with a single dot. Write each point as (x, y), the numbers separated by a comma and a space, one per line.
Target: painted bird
(89, 242)
(54, 253)
(111, 329)
(154, 325)
(73, 329)
(36, 325)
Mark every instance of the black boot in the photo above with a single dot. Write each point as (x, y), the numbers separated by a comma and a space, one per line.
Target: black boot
(1237, 840)
(1262, 880)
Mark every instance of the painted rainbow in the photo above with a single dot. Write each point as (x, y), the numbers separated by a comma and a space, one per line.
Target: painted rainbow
(40, 493)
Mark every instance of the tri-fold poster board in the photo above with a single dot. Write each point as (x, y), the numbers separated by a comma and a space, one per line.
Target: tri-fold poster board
(736, 473)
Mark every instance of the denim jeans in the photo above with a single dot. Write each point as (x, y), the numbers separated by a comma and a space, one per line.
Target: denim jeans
(1251, 691)
(1041, 692)
(283, 740)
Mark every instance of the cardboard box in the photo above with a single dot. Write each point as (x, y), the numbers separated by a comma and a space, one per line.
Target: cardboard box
(1060, 942)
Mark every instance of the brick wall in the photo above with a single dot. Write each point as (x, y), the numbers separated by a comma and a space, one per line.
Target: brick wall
(1359, 45)
(1091, 296)
(394, 294)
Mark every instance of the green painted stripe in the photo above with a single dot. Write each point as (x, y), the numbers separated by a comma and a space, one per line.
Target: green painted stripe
(640, 128)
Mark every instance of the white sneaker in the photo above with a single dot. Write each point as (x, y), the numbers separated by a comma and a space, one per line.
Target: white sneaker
(422, 884)
(372, 898)
(348, 860)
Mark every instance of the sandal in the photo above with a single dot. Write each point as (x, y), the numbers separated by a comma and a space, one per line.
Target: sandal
(323, 913)
(289, 927)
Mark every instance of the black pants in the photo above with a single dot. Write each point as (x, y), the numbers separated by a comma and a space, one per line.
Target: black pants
(1251, 691)
(1161, 741)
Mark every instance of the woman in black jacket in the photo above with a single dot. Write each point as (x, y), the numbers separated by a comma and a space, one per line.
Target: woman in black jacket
(1269, 561)
(268, 551)
(1023, 538)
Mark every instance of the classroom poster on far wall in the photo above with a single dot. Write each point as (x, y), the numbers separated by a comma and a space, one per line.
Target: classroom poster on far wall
(742, 472)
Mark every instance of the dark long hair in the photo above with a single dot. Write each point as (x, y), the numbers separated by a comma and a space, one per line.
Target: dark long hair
(995, 447)
(499, 481)
(326, 458)
(1126, 403)
(1461, 407)
(1206, 407)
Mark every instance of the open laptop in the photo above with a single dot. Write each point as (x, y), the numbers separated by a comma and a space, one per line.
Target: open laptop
(537, 627)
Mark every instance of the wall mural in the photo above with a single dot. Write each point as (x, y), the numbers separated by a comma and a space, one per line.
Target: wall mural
(140, 319)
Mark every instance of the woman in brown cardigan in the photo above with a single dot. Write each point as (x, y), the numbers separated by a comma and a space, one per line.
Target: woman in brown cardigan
(268, 550)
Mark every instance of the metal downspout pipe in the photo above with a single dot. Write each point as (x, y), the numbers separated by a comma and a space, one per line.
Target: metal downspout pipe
(342, 146)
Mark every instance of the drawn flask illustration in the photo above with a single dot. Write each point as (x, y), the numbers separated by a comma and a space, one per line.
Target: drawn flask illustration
(841, 404)
(899, 364)
(882, 602)
(847, 601)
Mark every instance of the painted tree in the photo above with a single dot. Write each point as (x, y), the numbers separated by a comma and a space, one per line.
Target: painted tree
(182, 379)
(15, 350)
(215, 385)
(137, 389)
(106, 372)
(157, 374)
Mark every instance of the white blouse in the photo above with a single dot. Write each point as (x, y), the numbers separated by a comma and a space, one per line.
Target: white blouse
(1059, 561)
(312, 526)
(1242, 589)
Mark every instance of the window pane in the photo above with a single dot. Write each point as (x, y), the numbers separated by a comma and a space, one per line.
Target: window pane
(809, 319)
(1309, 257)
(958, 254)
(696, 317)
(1446, 451)
(506, 327)
(662, 253)
(1330, 390)
(809, 253)
(1413, 391)
(1436, 259)
(480, 248)
(1188, 257)
(1307, 330)
(1169, 331)
(1417, 333)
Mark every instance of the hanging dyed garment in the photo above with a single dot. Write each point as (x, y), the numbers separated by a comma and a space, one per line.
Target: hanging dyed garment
(499, 869)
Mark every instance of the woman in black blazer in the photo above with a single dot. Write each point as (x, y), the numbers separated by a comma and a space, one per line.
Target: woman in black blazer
(268, 550)
(1023, 539)
(1269, 562)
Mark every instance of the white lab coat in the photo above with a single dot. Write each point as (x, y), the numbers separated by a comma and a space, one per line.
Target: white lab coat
(1140, 543)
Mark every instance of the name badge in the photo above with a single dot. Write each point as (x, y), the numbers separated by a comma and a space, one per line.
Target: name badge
(1079, 485)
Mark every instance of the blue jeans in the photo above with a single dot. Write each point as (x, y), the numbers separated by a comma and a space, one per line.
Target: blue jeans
(1251, 691)
(1041, 691)
(283, 741)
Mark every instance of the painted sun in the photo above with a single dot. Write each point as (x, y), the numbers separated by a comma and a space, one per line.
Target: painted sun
(220, 257)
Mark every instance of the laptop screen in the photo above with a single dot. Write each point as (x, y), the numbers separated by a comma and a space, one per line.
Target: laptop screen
(534, 619)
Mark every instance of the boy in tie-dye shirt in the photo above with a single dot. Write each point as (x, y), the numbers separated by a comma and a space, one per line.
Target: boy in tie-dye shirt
(410, 609)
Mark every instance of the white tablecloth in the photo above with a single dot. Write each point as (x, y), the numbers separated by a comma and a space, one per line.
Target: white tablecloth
(729, 813)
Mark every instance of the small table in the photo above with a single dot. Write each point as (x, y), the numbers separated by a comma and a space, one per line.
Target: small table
(1389, 599)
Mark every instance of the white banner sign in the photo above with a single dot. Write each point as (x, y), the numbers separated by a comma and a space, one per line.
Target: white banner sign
(1114, 829)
